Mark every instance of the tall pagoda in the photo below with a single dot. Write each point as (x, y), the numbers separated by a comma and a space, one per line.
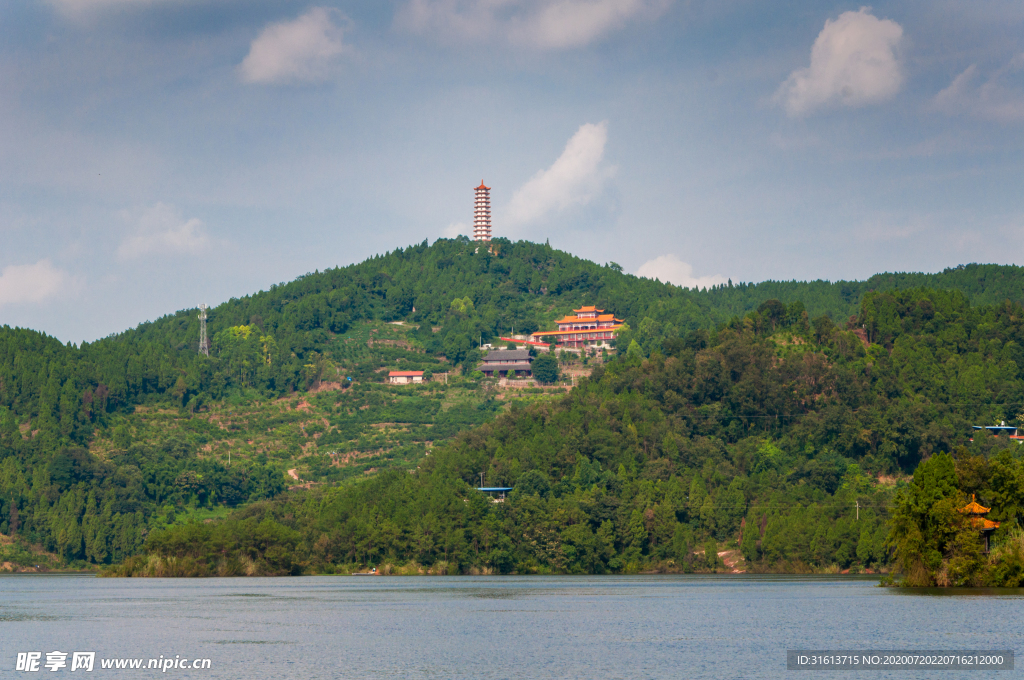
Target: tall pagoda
(482, 214)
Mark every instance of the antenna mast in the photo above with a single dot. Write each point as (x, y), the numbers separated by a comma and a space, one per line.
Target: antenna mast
(204, 343)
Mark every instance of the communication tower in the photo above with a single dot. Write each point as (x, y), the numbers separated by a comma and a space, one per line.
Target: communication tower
(204, 343)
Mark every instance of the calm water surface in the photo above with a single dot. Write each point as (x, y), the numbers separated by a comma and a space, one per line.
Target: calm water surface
(493, 627)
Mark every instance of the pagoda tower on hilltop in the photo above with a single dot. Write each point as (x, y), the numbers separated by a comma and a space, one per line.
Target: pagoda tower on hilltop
(482, 214)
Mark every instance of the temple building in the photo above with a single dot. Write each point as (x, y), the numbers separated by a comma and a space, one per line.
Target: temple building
(591, 327)
(482, 214)
(501, 361)
(976, 512)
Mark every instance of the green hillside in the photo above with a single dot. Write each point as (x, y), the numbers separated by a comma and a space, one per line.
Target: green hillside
(779, 446)
(103, 444)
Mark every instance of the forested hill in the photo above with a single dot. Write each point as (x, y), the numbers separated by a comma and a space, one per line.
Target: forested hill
(73, 478)
(776, 446)
(278, 341)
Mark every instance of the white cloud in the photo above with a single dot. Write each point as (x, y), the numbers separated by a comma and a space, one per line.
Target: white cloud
(854, 62)
(161, 229)
(546, 24)
(303, 50)
(673, 270)
(456, 229)
(574, 179)
(77, 6)
(994, 99)
(80, 9)
(31, 283)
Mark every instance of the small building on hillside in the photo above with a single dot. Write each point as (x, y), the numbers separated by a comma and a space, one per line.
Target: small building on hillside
(976, 512)
(501, 361)
(405, 377)
(1001, 429)
(590, 327)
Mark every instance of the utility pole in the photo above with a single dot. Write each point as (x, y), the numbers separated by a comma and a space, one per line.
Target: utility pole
(481, 480)
(858, 509)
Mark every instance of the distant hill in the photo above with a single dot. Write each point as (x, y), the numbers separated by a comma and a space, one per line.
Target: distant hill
(60, 404)
(983, 284)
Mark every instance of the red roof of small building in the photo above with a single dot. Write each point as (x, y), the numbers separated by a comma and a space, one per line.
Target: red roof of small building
(404, 374)
(526, 342)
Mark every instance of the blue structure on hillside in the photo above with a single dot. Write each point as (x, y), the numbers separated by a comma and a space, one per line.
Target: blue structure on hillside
(1002, 428)
(495, 489)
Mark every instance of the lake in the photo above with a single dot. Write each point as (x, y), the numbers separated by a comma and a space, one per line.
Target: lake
(491, 627)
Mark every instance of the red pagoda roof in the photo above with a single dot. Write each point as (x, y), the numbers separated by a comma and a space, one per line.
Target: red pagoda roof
(578, 330)
(602, 317)
(482, 186)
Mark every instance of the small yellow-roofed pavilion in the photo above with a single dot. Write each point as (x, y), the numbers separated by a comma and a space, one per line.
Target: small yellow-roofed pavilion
(976, 512)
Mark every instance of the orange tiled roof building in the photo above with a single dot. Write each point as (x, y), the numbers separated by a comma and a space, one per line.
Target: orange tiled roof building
(591, 327)
(976, 512)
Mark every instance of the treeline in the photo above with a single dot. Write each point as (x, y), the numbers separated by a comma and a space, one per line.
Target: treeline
(777, 434)
(983, 284)
(89, 510)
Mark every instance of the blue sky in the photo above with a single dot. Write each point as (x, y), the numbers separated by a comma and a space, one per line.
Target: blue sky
(162, 153)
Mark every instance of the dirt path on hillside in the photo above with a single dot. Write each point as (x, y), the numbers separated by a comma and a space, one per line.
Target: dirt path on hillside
(732, 560)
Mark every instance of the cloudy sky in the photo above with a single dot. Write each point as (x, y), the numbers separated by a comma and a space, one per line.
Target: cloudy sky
(162, 153)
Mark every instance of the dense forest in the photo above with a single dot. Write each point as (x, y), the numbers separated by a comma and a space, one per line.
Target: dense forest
(780, 397)
(774, 437)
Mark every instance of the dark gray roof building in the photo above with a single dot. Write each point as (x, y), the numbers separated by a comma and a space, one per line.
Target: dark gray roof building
(506, 356)
(505, 360)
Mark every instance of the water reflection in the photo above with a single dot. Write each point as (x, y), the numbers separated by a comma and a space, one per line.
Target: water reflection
(961, 592)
